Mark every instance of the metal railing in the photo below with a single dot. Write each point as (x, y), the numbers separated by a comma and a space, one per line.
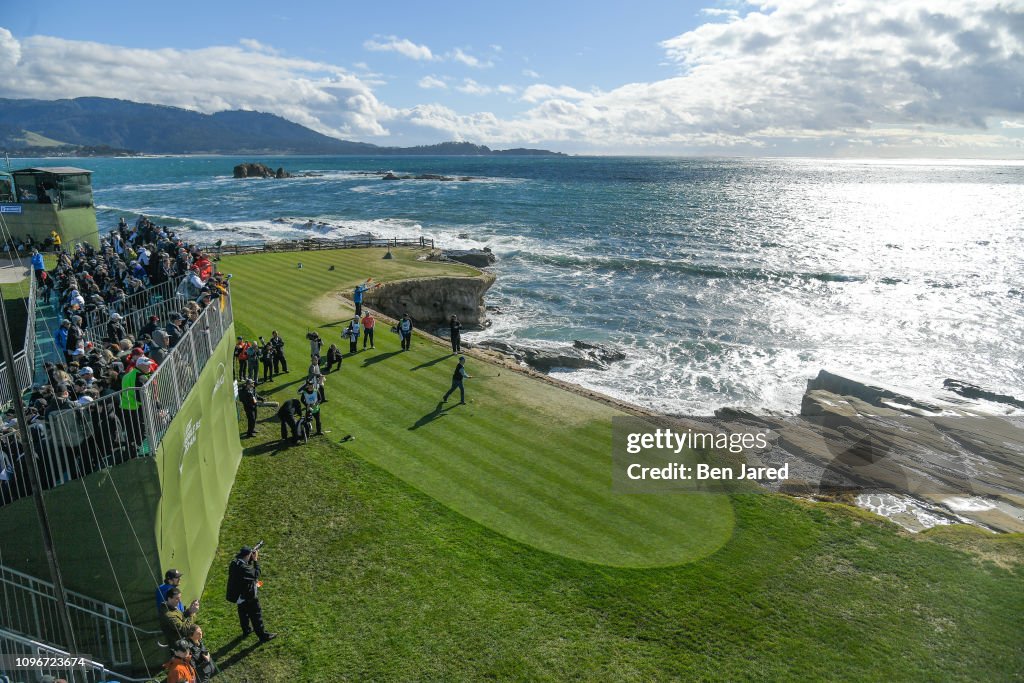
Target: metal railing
(13, 644)
(136, 320)
(101, 630)
(24, 360)
(132, 302)
(317, 244)
(82, 439)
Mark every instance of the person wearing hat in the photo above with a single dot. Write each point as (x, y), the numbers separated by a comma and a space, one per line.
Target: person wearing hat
(243, 578)
(352, 334)
(150, 327)
(457, 378)
(249, 398)
(86, 374)
(455, 333)
(280, 362)
(131, 386)
(179, 668)
(115, 328)
(404, 329)
(158, 347)
(175, 329)
(172, 578)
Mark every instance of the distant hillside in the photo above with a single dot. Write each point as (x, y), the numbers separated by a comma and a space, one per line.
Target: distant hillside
(96, 123)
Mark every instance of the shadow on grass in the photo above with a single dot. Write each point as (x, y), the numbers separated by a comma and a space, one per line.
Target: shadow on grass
(430, 363)
(270, 447)
(379, 357)
(237, 656)
(438, 411)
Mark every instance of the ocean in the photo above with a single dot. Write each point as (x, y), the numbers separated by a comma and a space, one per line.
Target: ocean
(727, 282)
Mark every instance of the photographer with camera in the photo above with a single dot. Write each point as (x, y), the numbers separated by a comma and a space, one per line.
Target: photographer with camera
(243, 586)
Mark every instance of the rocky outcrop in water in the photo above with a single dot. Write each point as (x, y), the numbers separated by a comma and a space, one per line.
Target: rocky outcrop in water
(430, 302)
(855, 438)
(969, 390)
(579, 356)
(478, 258)
(253, 170)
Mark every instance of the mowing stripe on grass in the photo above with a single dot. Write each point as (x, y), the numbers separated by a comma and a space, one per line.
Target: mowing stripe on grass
(526, 459)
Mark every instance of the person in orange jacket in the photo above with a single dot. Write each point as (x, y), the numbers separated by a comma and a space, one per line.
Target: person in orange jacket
(179, 668)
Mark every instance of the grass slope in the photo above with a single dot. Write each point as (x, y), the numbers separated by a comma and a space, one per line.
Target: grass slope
(371, 573)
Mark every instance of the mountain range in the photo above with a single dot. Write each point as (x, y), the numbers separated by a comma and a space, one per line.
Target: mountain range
(102, 126)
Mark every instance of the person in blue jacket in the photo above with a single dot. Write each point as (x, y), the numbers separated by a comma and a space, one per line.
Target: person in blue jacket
(60, 337)
(357, 298)
(37, 265)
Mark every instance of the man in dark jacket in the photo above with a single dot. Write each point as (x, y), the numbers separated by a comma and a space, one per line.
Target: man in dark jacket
(243, 575)
(288, 413)
(116, 330)
(249, 398)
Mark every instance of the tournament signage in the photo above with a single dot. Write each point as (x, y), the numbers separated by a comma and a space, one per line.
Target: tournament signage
(10, 208)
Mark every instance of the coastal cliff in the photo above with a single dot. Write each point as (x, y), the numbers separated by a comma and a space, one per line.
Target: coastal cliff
(430, 302)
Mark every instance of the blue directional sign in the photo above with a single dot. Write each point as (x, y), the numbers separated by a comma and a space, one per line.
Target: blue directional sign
(10, 208)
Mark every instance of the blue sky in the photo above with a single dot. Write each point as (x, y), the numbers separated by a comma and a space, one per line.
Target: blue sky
(860, 78)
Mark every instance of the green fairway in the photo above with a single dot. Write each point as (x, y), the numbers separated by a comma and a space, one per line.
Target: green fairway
(522, 457)
(483, 541)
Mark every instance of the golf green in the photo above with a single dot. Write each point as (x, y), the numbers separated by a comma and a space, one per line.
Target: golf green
(522, 457)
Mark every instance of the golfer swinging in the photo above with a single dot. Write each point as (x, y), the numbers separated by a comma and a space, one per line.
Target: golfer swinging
(457, 377)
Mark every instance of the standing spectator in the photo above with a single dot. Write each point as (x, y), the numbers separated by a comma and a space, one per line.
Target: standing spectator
(249, 398)
(455, 332)
(315, 343)
(60, 337)
(243, 576)
(368, 323)
(172, 578)
(352, 334)
(357, 297)
(173, 621)
(201, 658)
(253, 361)
(131, 384)
(317, 378)
(267, 358)
(405, 331)
(241, 356)
(38, 267)
(175, 329)
(115, 328)
(279, 360)
(179, 668)
(311, 402)
(150, 327)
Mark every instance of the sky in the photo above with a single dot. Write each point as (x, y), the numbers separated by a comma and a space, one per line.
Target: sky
(835, 78)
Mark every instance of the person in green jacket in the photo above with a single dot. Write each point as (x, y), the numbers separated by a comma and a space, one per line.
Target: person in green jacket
(131, 384)
(174, 622)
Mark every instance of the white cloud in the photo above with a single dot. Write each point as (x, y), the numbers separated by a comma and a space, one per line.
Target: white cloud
(459, 55)
(730, 14)
(257, 46)
(530, 73)
(428, 82)
(1019, 123)
(540, 92)
(471, 87)
(507, 89)
(402, 46)
(321, 96)
(816, 71)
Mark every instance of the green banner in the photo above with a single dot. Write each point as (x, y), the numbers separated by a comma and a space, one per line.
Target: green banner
(197, 460)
